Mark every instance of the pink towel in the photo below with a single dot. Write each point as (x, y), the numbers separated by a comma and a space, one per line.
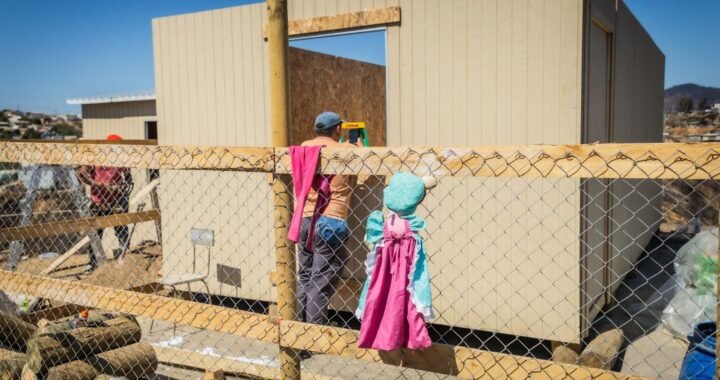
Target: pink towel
(390, 320)
(304, 166)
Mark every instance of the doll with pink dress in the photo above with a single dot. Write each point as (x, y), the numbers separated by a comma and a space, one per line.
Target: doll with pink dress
(396, 300)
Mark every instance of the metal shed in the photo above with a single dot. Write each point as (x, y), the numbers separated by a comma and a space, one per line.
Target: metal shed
(459, 72)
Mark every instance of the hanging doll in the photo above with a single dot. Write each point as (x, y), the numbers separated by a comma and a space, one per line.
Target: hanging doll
(396, 301)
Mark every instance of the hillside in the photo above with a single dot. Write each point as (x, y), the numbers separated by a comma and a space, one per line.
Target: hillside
(694, 91)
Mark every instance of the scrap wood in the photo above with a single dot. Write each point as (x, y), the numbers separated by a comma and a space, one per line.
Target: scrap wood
(76, 225)
(45, 351)
(11, 364)
(142, 193)
(75, 248)
(14, 332)
(602, 351)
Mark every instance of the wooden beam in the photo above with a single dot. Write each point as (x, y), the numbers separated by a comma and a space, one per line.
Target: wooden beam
(187, 313)
(144, 192)
(197, 360)
(453, 360)
(75, 248)
(192, 359)
(631, 161)
(463, 361)
(83, 141)
(139, 156)
(343, 22)
(658, 161)
(65, 227)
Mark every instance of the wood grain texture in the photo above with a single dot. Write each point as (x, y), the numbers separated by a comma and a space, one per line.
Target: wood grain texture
(75, 248)
(192, 359)
(209, 317)
(65, 227)
(322, 82)
(629, 161)
(343, 21)
(454, 360)
(139, 156)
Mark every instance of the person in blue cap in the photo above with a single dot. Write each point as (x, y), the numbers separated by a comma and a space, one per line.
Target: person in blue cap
(320, 267)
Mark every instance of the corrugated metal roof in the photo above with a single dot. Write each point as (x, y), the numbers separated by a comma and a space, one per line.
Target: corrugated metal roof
(135, 96)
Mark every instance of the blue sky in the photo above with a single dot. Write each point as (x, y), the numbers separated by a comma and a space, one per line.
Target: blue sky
(54, 50)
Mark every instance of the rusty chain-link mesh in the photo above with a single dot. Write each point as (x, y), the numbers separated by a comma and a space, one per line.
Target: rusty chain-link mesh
(532, 254)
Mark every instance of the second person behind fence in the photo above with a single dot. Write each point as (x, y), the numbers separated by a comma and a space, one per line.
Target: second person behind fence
(322, 260)
(110, 189)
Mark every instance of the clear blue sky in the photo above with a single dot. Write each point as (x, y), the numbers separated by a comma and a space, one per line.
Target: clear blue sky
(54, 50)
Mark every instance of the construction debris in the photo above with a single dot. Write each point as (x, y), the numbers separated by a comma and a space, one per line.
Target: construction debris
(14, 333)
(602, 351)
(11, 364)
(78, 348)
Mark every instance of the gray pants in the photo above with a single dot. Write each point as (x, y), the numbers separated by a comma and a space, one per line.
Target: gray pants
(318, 274)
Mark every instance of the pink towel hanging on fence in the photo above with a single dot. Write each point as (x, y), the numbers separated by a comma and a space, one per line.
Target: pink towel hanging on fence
(390, 320)
(304, 166)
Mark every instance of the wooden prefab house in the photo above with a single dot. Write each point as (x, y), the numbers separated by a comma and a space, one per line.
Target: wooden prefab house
(535, 258)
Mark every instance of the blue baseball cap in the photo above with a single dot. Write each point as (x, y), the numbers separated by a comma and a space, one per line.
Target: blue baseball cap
(327, 120)
(404, 193)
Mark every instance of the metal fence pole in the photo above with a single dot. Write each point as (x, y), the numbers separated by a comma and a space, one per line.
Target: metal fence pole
(279, 123)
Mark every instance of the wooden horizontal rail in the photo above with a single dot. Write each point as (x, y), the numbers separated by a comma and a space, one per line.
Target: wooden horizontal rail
(462, 361)
(140, 156)
(187, 313)
(65, 227)
(630, 161)
(192, 359)
(343, 22)
(83, 141)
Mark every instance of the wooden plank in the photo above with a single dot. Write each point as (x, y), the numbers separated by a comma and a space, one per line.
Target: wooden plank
(144, 191)
(192, 359)
(76, 225)
(344, 21)
(186, 313)
(465, 362)
(75, 248)
(84, 141)
(53, 313)
(455, 360)
(659, 161)
(139, 156)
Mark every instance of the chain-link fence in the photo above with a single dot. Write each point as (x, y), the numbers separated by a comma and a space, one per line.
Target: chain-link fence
(547, 261)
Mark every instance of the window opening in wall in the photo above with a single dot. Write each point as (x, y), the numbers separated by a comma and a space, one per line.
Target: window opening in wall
(344, 73)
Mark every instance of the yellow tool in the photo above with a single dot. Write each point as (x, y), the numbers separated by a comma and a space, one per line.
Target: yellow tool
(356, 129)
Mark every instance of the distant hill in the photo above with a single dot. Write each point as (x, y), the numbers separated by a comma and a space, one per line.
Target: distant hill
(694, 91)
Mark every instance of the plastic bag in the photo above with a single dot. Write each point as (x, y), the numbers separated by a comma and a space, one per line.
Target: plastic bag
(687, 309)
(695, 298)
(697, 260)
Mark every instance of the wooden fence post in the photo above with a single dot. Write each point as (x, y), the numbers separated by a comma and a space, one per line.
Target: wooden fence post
(279, 123)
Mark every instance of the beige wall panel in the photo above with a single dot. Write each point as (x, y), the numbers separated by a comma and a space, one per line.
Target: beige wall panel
(126, 119)
(464, 72)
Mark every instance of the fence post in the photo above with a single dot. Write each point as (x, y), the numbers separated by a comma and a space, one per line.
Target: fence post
(277, 33)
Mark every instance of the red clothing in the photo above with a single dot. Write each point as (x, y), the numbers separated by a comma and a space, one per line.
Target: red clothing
(108, 175)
